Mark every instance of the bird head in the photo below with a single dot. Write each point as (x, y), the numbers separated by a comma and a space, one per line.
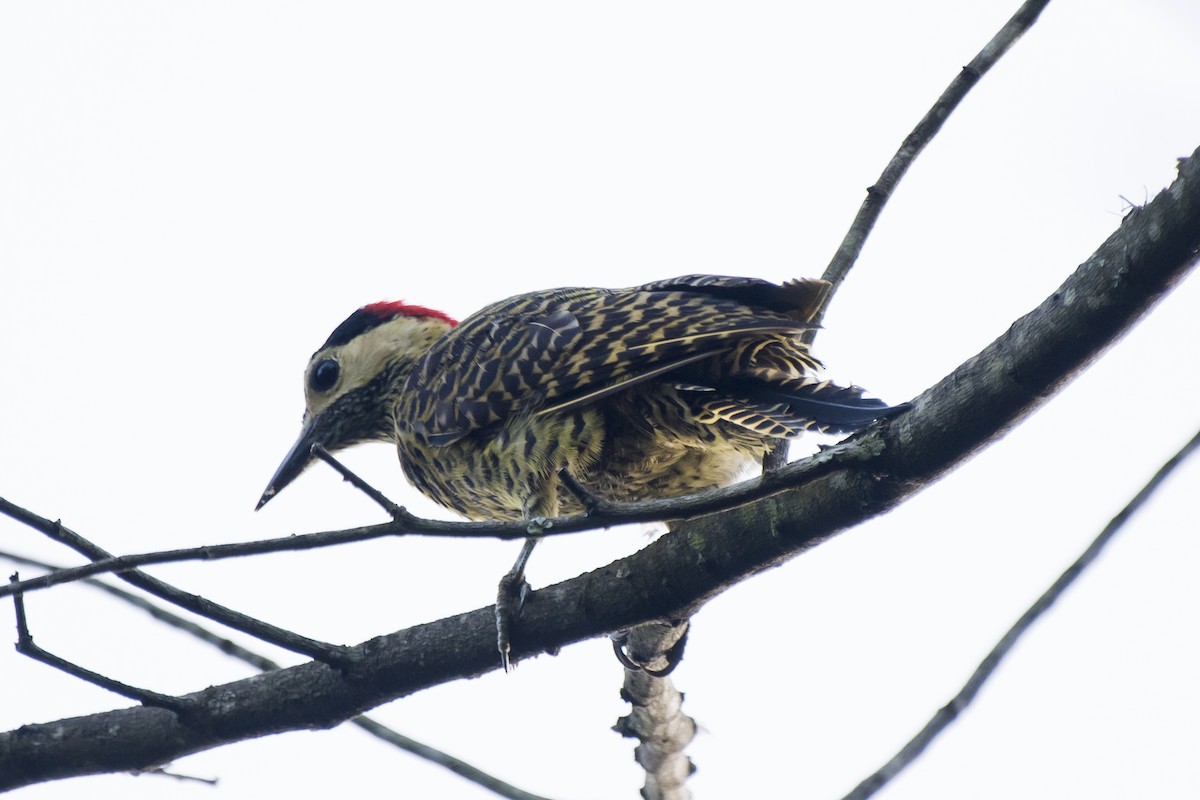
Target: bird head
(352, 381)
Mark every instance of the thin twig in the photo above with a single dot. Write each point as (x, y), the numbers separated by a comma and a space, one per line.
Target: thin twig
(451, 763)
(163, 773)
(916, 141)
(393, 510)
(840, 456)
(321, 651)
(26, 647)
(970, 689)
(229, 647)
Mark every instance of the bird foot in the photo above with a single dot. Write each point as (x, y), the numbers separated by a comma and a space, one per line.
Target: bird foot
(510, 599)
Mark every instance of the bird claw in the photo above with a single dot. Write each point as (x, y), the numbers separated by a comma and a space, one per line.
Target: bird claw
(673, 656)
(619, 640)
(536, 526)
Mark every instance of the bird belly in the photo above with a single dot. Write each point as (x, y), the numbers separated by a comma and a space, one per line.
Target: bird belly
(661, 464)
(511, 472)
(637, 446)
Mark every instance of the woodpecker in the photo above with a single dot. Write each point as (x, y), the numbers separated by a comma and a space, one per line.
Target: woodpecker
(653, 391)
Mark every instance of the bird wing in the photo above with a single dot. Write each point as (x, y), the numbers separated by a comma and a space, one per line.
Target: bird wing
(550, 352)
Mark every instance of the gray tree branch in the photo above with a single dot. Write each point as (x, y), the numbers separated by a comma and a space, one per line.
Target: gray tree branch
(1153, 249)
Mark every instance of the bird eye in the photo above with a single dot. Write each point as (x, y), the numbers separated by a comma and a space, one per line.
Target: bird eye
(324, 375)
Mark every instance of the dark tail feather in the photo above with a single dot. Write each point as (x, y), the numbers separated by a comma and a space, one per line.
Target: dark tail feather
(841, 417)
(835, 409)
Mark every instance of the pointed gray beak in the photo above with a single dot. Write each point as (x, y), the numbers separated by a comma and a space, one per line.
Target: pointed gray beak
(295, 462)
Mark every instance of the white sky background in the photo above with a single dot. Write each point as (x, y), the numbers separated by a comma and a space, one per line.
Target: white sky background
(193, 194)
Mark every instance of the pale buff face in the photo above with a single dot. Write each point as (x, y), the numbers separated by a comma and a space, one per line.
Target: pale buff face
(362, 359)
